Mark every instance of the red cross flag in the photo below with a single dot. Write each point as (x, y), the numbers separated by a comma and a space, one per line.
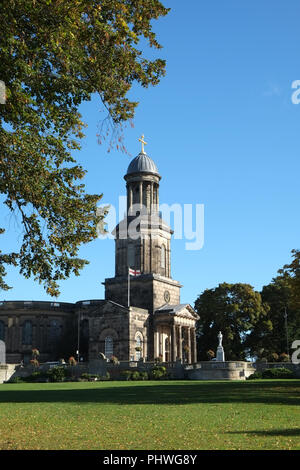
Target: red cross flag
(134, 272)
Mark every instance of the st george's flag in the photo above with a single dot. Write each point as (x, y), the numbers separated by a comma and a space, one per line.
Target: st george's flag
(134, 272)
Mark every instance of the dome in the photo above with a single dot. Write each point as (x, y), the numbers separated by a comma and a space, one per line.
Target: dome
(142, 164)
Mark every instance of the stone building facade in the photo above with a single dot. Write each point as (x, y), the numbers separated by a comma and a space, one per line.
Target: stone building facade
(141, 316)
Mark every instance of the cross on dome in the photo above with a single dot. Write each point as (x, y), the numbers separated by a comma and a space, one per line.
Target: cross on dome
(141, 139)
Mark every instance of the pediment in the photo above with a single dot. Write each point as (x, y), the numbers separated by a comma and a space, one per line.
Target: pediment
(180, 310)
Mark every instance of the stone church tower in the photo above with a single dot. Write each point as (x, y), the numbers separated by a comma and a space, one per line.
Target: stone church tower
(142, 242)
(140, 317)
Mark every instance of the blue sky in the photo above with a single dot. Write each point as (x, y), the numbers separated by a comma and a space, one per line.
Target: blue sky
(223, 132)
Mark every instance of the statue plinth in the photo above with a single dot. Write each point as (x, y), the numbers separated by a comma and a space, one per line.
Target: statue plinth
(220, 354)
(220, 351)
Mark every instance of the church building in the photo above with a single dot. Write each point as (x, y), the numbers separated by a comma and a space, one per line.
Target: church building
(141, 315)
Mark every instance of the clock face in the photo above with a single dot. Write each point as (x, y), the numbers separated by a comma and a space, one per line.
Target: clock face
(167, 296)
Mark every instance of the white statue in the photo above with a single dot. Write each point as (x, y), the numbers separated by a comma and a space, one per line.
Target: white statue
(220, 351)
(220, 337)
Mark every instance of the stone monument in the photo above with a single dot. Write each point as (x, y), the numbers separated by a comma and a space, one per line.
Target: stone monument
(220, 350)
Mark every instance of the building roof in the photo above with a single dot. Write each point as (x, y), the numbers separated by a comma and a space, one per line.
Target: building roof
(142, 164)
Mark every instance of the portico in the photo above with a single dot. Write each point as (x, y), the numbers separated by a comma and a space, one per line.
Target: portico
(175, 333)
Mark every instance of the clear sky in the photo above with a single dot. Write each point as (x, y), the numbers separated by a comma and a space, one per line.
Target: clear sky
(223, 131)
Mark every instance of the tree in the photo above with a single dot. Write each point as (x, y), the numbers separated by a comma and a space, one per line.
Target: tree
(278, 296)
(55, 54)
(233, 309)
(291, 274)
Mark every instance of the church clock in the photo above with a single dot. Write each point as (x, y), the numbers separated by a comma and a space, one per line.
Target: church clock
(167, 296)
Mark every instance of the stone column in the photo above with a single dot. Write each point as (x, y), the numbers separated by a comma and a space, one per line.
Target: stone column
(130, 198)
(141, 193)
(180, 342)
(189, 345)
(194, 345)
(173, 343)
(156, 345)
(151, 198)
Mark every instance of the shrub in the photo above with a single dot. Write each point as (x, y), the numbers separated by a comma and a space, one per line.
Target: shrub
(284, 357)
(210, 354)
(144, 376)
(158, 359)
(273, 357)
(158, 372)
(35, 352)
(56, 374)
(89, 377)
(126, 374)
(34, 362)
(15, 380)
(277, 373)
(255, 375)
(135, 375)
(72, 361)
(114, 360)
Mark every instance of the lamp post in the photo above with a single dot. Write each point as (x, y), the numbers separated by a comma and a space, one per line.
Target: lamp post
(286, 329)
(78, 335)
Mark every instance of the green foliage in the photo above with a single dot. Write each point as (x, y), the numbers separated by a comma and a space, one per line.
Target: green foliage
(233, 309)
(262, 341)
(273, 373)
(94, 377)
(291, 274)
(144, 376)
(135, 375)
(158, 372)
(54, 56)
(126, 374)
(56, 374)
(277, 373)
(256, 375)
(15, 380)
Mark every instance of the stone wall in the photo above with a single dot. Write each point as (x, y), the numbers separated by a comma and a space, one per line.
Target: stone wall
(213, 370)
(295, 368)
(47, 320)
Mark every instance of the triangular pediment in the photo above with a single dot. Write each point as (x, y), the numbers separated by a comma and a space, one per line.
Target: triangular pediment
(179, 310)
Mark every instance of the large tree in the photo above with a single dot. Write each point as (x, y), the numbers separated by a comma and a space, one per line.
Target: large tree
(233, 309)
(268, 343)
(55, 54)
(291, 274)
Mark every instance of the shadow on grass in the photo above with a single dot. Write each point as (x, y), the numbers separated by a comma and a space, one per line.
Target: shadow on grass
(170, 393)
(271, 432)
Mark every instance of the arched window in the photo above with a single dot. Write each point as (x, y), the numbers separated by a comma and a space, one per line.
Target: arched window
(54, 332)
(2, 331)
(138, 346)
(109, 346)
(163, 256)
(27, 332)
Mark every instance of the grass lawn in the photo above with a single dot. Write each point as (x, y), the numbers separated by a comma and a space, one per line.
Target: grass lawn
(262, 414)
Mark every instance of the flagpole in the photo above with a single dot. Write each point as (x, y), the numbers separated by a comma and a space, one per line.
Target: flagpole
(128, 293)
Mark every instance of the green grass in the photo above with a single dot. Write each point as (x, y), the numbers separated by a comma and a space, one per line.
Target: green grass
(263, 414)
